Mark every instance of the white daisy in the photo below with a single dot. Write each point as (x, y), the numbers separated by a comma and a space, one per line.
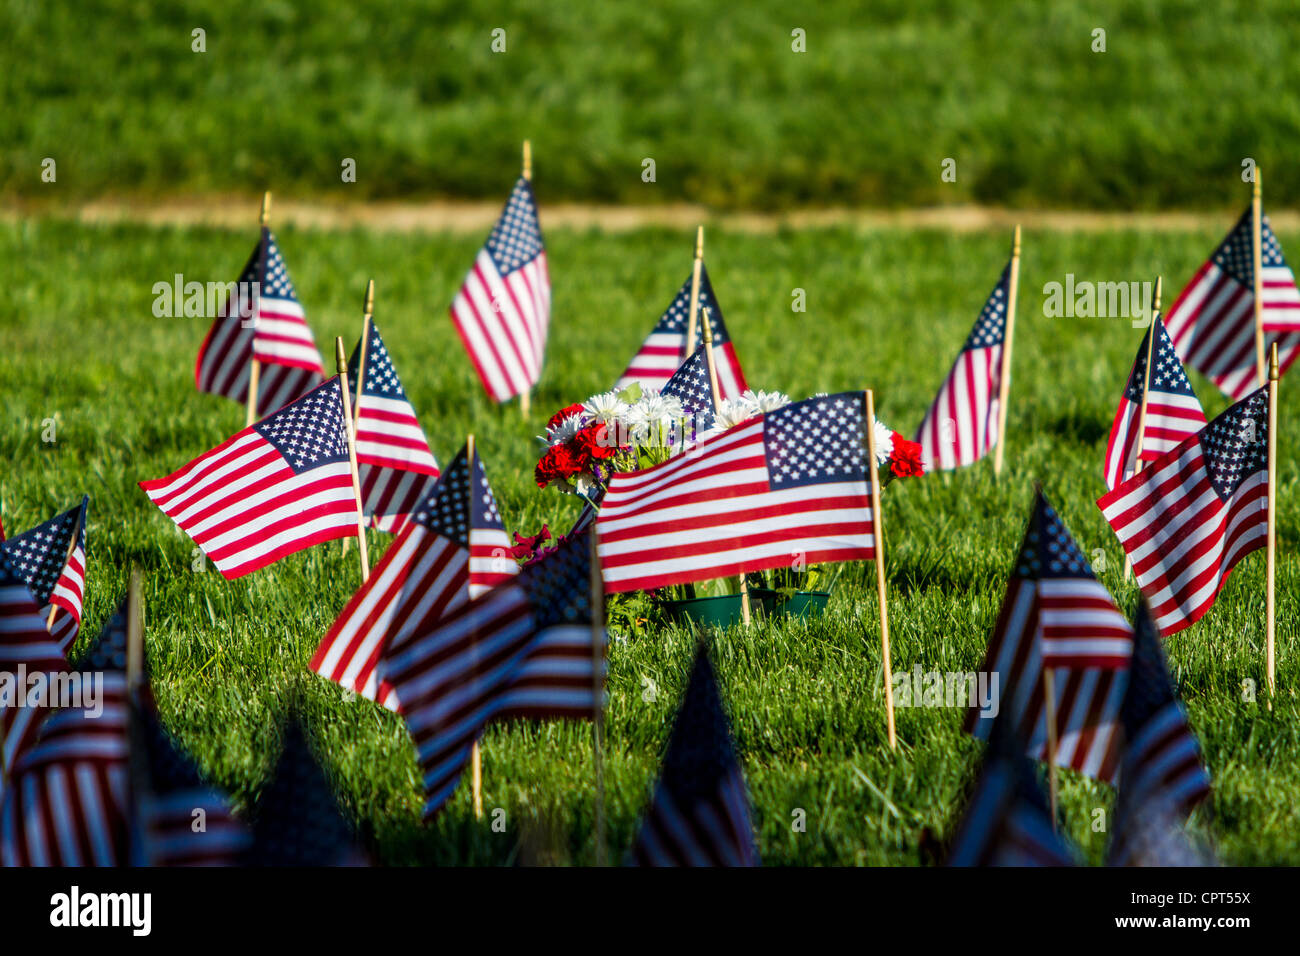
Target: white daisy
(732, 412)
(566, 429)
(605, 408)
(765, 401)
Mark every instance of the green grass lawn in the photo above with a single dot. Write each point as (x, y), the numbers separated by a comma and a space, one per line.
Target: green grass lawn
(79, 344)
(1010, 89)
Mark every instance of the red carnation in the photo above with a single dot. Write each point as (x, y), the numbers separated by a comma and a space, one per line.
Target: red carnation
(905, 462)
(558, 462)
(562, 414)
(594, 442)
(527, 547)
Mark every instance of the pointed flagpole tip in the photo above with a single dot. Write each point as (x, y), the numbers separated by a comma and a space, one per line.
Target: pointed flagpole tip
(706, 327)
(699, 242)
(1258, 187)
(370, 297)
(1015, 242)
(1272, 363)
(528, 160)
(265, 217)
(469, 447)
(339, 355)
(1155, 305)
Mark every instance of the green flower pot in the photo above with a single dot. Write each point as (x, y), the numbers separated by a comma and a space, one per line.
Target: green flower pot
(803, 604)
(721, 611)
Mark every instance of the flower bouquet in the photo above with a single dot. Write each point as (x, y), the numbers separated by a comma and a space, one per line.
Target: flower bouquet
(621, 431)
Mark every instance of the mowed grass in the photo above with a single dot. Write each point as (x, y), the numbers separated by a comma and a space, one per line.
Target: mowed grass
(1012, 90)
(79, 344)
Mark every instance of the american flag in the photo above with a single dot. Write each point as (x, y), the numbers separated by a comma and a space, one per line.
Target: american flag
(51, 560)
(278, 486)
(524, 649)
(962, 423)
(664, 349)
(781, 486)
(177, 818)
(68, 803)
(25, 644)
(396, 467)
(503, 308)
(1160, 777)
(693, 387)
(271, 327)
(1192, 514)
(1056, 614)
(297, 820)
(1212, 322)
(453, 549)
(1007, 820)
(1173, 413)
(700, 813)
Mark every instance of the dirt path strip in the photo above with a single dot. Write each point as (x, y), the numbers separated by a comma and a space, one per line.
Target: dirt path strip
(238, 212)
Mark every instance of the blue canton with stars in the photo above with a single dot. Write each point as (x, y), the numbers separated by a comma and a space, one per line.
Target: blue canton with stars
(1235, 444)
(1236, 256)
(816, 441)
(276, 283)
(692, 386)
(309, 432)
(381, 378)
(450, 510)
(991, 326)
(1049, 550)
(1168, 375)
(700, 752)
(108, 653)
(559, 584)
(39, 555)
(516, 239)
(677, 316)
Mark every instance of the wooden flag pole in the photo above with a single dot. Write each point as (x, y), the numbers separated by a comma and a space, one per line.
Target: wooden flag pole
(1146, 387)
(342, 361)
(707, 329)
(1257, 228)
(525, 397)
(878, 539)
(1049, 712)
(134, 635)
(1004, 374)
(598, 689)
(475, 754)
(693, 311)
(1270, 608)
(255, 367)
(72, 546)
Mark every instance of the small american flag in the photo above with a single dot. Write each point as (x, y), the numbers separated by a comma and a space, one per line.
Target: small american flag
(781, 486)
(700, 813)
(1192, 514)
(396, 467)
(664, 349)
(271, 327)
(278, 486)
(25, 644)
(1212, 322)
(453, 549)
(1056, 614)
(1007, 820)
(693, 387)
(1161, 777)
(51, 560)
(68, 802)
(962, 423)
(524, 649)
(503, 308)
(177, 818)
(1173, 413)
(297, 820)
